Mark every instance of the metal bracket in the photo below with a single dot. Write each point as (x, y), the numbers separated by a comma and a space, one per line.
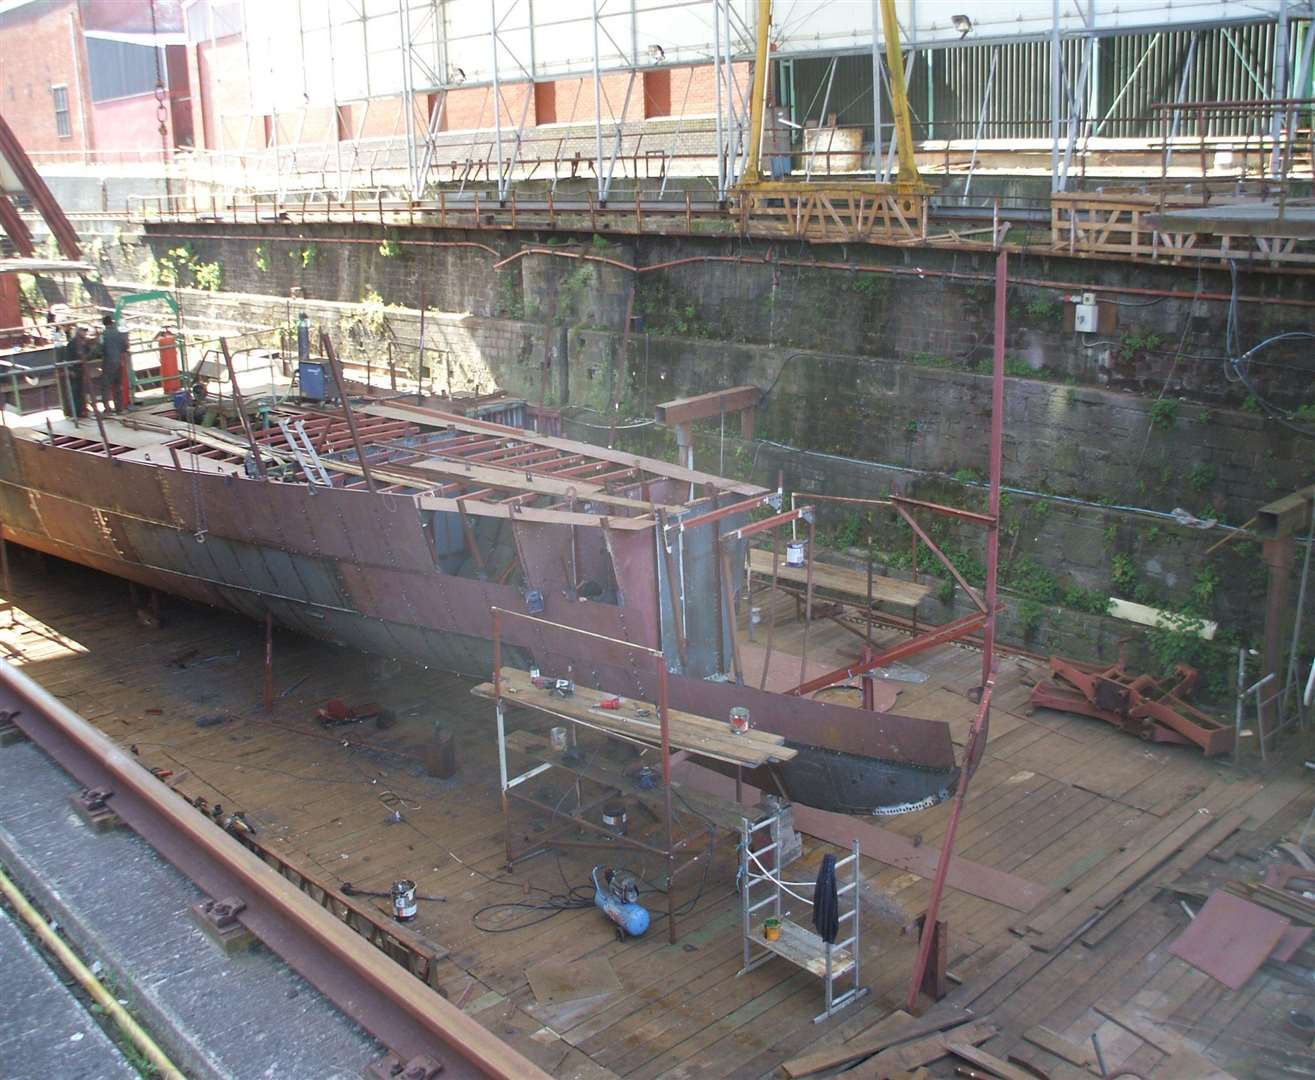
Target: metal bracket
(218, 918)
(391, 1067)
(91, 806)
(10, 732)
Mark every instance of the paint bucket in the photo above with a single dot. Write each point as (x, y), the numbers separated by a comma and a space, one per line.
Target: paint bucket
(796, 552)
(740, 719)
(772, 929)
(404, 900)
(557, 736)
(441, 754)
(614, 816)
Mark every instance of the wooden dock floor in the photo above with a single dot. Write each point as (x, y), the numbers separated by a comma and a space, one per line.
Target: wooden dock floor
(1056, 798)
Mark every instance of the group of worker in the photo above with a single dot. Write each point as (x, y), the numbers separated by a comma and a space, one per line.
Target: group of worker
(83, 356)
(78, 351)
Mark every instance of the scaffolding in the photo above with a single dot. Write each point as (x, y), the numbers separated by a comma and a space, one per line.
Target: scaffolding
(833, 962)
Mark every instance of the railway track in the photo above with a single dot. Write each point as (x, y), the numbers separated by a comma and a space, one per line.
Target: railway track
(421, 1028)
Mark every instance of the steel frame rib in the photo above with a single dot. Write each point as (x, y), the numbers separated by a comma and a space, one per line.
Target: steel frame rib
(402, 1012)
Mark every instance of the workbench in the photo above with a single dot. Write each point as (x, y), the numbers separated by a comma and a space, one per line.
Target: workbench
(689, 820)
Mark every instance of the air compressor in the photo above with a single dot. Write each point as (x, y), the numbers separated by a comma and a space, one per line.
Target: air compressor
(617, 896)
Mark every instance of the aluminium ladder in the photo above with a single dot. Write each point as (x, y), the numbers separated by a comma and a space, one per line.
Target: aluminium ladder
(832, 963)
(304, 451)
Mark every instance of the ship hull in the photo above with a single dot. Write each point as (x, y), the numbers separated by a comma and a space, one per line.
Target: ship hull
(365, 570)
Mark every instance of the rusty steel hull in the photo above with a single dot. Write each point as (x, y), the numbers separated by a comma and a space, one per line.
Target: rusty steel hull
(364, 570)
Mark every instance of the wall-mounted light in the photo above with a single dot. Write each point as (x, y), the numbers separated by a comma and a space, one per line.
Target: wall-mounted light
(656, 53)
(962, 23)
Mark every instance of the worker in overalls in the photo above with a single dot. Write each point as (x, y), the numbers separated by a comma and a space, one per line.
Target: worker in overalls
(114, 355)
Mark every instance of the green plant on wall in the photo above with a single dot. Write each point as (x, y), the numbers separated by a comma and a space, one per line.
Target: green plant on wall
(1164, 414)
(262, 258)
(306, 255)
(390, 248)
(209, 276)
(1201, 477)
(1123, 573)
(370, 318)
(1042, 310)
(1139, 342)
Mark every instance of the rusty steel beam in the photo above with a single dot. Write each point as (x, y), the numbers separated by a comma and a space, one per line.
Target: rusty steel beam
(941, 508)
(951, 631)
(327, 345)
(772, 498)
(702, 406)
(407, 1016)
(1284, 516)
(803, 513)
(15, 227)
(46, 203)
(945, 559)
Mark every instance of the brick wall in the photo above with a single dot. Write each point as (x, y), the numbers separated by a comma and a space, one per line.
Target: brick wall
(37, 51)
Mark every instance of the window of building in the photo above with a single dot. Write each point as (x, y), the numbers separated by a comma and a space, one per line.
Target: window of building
(63, 123)
(121, 68)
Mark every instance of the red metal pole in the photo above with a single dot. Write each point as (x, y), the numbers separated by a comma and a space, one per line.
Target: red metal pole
(981, 722)
(997, 462)
(664, 721)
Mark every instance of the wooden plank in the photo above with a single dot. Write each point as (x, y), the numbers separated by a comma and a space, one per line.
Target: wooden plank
(638, 720)
(1082, 1054)
(922, 1051)
(1061, 920)
(1161, 1038)
(898, 1027)
(990, 1062)
(803, 948)
(840, 579)
(1128, 905)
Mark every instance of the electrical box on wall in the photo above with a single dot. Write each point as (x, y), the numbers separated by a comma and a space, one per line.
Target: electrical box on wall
(1086, 315)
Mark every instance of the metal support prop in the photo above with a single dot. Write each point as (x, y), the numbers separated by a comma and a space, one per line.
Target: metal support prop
(979, 733)
(1278, 554)
(242, 409)
(327, 345)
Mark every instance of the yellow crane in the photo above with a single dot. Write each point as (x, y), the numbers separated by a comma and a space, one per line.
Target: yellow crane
(846, 201)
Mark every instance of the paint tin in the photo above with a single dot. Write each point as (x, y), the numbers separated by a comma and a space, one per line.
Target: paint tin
(404, 900)
(796, 553)
(740, 719)
(772, 929)
(557, 736)
(755, 621)
(614, 816)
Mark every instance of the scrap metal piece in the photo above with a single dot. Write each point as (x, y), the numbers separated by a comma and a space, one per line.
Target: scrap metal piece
(1137, 704)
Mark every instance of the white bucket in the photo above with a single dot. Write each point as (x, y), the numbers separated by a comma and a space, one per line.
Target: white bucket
(796, 553)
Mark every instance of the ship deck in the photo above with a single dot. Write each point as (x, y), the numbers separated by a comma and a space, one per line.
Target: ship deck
(1056, 798)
